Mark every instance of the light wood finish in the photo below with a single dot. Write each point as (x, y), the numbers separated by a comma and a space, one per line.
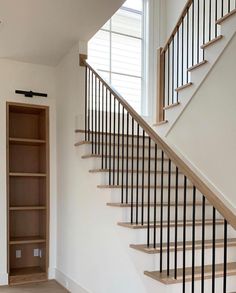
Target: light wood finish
(26, 141)
(42, 287)
(165, 204)
(172, 106)
(27, 191)
(160, 85)
(222, 19)
(211, 196)
(182, 87)
(161, 123)
(27, 240)
(82, 58)
(204, 46)
(179, 21)
(188, 246)
(168, 280)
(189, 223)
(197, 65)
(19, 174)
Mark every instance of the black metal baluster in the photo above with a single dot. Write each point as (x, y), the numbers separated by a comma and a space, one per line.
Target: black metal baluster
(228, 6)
(173, 70)
(168, 75)
(102, 132)
(110, 139)
(204, 26)
(132, 170)
(193, 239)
(176, 219)
(198, 31)
(210, 19)
(184, 233)
(123, 146)
(148, 211)
(114, 141)
(203, 245)
(168, 218)
(92, 113)
(143, 170)
(155, 198)
(161, 212)
(118, 148)
(127, 159)
(137, 177)
(177, 57)
(182, 60)
(187, 50)
(225, 256)
(216, 17)
(213, 248)
(89, 106)
(106, 135)
(222, 8)
(99, 116)
(86, 103)
(95, 105)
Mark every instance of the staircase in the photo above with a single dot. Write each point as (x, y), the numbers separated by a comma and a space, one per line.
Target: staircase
(189, 231)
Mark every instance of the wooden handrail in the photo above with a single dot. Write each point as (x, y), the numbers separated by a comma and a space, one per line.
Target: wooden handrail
(180, 20)
(183, 167)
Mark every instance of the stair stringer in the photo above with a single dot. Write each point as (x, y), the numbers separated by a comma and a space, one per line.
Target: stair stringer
(198, 76)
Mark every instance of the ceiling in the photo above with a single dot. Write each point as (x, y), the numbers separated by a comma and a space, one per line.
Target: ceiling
(43, 31)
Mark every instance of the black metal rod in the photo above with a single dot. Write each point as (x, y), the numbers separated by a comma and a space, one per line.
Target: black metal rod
(176, 219)
(137, 176)
(168, 75)
(132, 171)
(127, 158)
(123, 147)
(114, 141)
(155, 199)
(86, 104)
(225, 256)
(213, 248)
(193, 239)
(173, 70)
(99, 116)
(161, 212)
(148, 211)
(187, 46)
(102, 135)
(168, 218)
(203, 245)
(118, 147)
(106, 134)
(89, 102)
(143, 158)
(210, 12)
(95, 109)
(110, 138)
(193, 32)
(92, 113)
(204, 26)
(30, 94)
(198, 31)
(184, 233)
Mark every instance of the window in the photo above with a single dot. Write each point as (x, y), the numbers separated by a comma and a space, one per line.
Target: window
(117, 52)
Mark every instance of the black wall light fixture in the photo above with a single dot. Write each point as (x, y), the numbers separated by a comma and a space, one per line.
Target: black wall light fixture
(30, 94)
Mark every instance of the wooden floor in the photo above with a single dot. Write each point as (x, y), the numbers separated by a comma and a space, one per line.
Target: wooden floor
(44, 287)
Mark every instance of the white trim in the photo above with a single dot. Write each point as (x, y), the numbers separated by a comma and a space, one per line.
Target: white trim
(68, 283)
(3, 279)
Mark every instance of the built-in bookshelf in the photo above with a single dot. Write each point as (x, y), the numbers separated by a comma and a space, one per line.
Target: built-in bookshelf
(28, 192)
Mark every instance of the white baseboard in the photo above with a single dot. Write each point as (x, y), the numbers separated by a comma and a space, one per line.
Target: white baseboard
(68, 283)
(51, 273)
(3, 279)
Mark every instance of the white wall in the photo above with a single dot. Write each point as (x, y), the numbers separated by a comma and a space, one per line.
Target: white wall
(173, 10)
(16, 75)
(206, 131)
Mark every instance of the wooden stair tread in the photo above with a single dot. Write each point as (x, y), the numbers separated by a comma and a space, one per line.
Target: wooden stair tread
(84, 142)
(161, 123)
(222, 19)
(165, 204)
(140, 186)
(212, 42)
(198, 246)
(182, 87)
(120, 157)
(168, 280)
(197, 65)
(172, 224)
(171, 106)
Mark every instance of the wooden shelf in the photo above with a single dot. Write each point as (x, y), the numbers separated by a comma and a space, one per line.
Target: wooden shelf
(27, 240)
(26, 141)
(22, 174)
(28, 208)
(27, 275)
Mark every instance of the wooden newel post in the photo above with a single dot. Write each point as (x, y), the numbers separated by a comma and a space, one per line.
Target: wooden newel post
(160, 85)
(82, 58)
